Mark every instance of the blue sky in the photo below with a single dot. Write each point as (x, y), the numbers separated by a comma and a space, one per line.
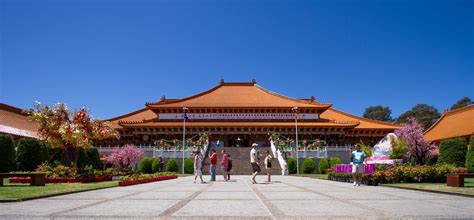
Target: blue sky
(113, 56)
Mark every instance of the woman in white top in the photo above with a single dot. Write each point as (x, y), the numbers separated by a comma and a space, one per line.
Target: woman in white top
(198, 166)
(268, 165)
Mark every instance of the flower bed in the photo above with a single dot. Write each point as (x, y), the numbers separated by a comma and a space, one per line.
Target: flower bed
(404, 174)
(63, 179)
(146, 178)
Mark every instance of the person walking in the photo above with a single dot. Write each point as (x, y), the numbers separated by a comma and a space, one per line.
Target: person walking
(212, 167)
(229, 166)
(224, 164)
(198, 166)
(358, 161)
(254, 162)
(268, 165)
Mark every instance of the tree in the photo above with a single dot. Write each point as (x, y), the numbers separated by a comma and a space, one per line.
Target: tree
(399, 149)
(426, 115)
(124, 157)
(63, 129)
(470, 156)
(30, 154)
(420, 150)
(453, 151)
(7, 154)
(465, 101)
(378, 113)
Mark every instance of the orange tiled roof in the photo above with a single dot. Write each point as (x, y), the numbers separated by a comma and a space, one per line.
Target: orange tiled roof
(247, 94)
(334, 114)
(238, 94)
(13, 121)
(455, 123)
(139, 115)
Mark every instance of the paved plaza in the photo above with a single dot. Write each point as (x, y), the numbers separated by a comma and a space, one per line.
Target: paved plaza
(286, 198)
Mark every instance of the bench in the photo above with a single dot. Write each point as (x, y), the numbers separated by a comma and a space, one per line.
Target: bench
(457, 179)
(36, 179)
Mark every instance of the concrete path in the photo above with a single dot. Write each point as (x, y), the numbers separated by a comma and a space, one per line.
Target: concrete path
(286, 198)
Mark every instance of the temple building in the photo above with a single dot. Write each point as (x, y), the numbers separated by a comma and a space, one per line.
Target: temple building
(13, 121)
(452, 124)
(240, 113)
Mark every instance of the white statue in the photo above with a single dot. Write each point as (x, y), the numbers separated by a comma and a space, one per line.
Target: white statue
(277, 154)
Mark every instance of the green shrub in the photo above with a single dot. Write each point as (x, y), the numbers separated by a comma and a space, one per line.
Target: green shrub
(172, 165)
(7, 154)
(94, 157)
(53, 153)
(323, 165)
(145, 165)
(189, 165)
(88, 156)
(292, 165)
(30, 154)
(308, 165)
(470, 156)
(399, 149)
(334, 161)
(82, 158)
(155, 166)
(453, 151)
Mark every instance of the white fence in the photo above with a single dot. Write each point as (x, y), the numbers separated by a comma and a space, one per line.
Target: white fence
(175, 152)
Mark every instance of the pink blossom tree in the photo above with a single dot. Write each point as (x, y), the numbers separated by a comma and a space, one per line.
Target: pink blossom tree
(420, 149)
(125, 156)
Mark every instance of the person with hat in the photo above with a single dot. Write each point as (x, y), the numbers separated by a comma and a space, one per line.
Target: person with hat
(254, 161)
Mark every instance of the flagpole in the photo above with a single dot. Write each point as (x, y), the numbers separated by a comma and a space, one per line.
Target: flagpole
(184, 135)
(295, 110)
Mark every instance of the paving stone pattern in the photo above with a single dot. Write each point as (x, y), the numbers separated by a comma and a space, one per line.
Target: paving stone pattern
(285, 198)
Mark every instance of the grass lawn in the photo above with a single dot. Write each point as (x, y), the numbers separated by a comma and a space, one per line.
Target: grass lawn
(184, 175)
(21, 191)
(313, 175)
(442, 187)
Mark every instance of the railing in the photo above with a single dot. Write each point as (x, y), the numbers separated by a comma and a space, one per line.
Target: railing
(176, 152)
(154, 151)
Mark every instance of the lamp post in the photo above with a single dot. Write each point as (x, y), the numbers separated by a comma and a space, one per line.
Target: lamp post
(185, 117)
(295, 110)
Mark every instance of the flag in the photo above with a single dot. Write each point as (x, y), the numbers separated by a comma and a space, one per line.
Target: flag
(185, 116)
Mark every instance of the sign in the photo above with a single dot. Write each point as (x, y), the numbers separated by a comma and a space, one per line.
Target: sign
(238, 116)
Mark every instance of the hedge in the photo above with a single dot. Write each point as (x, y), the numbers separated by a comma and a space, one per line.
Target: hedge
(30, 154)
(172, 165)
(323, 165)
(189, 165)
(7, 154)
(334, 161)
(308, 165)
(155, 165)
(88, 156)
(470, 156)
(292, 165)
(145, 165)
(94, 157)
(453, 151)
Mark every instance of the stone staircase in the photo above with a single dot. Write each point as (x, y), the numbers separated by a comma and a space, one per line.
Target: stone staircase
(241, 161)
